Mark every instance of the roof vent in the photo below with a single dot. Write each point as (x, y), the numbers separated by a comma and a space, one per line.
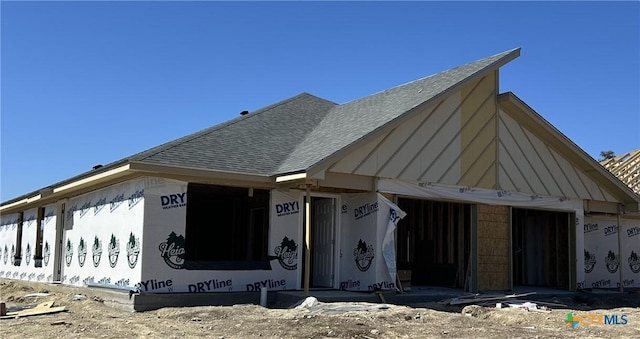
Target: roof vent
(244, 112)
(97, 166)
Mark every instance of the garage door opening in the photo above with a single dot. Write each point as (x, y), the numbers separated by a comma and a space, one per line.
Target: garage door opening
(541, 248)
(433, 241)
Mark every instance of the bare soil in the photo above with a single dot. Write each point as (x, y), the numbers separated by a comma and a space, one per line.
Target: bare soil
(87, 316)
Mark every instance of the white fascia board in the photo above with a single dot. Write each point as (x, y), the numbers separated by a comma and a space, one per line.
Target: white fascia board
(14, 204)
(34, 198)
(92, 178)
(291, 177)
(71, 185)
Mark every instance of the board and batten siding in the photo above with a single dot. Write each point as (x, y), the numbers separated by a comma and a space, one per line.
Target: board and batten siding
(478, 130)
(451, 141)
(528, 164)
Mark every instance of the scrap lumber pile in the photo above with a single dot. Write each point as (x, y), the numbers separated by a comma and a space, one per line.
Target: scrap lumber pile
(505, 301)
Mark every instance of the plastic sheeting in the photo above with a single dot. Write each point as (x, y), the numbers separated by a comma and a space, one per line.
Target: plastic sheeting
(368, 260)
(479, 195)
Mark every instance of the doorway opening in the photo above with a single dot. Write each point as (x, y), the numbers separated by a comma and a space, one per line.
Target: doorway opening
(323, 232)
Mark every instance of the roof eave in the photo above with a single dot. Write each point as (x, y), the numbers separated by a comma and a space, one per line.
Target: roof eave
(66, 188)
(107, 175)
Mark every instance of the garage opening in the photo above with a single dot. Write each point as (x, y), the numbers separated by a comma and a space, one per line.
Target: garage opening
(541, 248)
(433, 242)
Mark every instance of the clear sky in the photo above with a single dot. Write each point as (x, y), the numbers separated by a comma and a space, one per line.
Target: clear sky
(86, 83)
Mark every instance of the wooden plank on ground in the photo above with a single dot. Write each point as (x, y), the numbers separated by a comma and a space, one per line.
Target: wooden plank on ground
(480, 298)
(42, 308)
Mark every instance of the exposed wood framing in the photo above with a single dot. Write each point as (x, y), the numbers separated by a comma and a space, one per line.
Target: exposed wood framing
(627, 168)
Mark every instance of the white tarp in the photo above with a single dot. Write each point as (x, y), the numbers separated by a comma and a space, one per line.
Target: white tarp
(367, 251)
(388, 241)
(478, 195)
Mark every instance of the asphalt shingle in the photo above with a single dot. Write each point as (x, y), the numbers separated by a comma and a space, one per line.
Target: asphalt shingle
(297, 133)
(255, 143)
(348, 123)
(294, 134)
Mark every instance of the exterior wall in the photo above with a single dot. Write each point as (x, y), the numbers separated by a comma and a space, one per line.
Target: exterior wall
(494, 243)
(163, 269)
(103, 236)
(27, 269)
(8, 229)
(164, 247)
(603, 259)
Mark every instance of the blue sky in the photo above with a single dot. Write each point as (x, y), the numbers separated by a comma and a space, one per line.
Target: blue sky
(86, 83)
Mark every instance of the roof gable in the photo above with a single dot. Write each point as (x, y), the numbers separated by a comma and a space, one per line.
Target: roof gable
(354, 121)
(554, 164)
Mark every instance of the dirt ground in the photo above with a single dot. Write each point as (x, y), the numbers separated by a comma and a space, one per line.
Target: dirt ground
(87, 316)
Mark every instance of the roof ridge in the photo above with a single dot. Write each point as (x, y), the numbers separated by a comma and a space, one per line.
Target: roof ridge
(501, 54)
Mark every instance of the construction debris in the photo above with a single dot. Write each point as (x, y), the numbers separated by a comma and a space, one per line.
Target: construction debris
(479, 298)
(42, 308)
(503, 301)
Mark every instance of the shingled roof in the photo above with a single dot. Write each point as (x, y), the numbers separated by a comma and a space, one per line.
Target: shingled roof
(254, 143)
(297, 133)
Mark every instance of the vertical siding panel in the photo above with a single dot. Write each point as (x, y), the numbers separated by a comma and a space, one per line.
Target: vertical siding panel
(478, 134)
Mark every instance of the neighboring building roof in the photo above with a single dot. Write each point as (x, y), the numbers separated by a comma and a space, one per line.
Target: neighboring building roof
(627, 168)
